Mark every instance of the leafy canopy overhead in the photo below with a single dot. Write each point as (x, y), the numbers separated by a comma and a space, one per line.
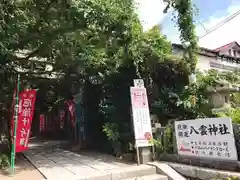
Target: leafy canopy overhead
(87, 37)
(63, 31)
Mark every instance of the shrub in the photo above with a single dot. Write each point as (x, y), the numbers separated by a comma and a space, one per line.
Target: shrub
(233, 113)
(4, 161)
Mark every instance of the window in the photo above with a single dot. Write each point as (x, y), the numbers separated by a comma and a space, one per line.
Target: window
(230, 52)
(234, 53)
(226, 99)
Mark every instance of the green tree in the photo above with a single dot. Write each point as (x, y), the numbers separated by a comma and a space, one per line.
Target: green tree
(98, 45)
(186, 27)
(80, 39)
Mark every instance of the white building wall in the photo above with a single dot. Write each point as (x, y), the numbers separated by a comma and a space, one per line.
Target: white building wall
(226, 52)
(203, 63)
(206, 63)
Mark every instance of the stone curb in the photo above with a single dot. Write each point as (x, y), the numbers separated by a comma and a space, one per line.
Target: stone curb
(202, 173)
(165, 169)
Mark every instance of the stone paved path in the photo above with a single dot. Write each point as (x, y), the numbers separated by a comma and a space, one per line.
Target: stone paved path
(62, 164)
(24, 170)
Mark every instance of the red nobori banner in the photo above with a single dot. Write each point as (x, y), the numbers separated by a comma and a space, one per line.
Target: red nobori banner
(25, 115)
(72, 110)
(62, 118)
(41, 122)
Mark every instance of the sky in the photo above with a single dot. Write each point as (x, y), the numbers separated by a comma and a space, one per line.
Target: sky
(210, 13)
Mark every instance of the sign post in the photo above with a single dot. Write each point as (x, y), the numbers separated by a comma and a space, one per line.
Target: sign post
(206, 138)
(141, 118)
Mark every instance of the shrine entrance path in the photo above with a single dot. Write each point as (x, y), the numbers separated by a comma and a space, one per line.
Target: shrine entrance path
(23, 170)
(56, 163)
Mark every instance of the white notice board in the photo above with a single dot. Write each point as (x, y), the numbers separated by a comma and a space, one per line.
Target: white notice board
(209, 138)
(141, 116)
(138, 83)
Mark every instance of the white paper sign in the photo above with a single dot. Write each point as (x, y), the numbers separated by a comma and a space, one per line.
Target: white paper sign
(209, 138)
(138, 83)
(141, 116)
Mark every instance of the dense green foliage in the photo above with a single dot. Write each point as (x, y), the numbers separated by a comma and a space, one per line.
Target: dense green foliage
(98, 46)
(4, 161)
(233, 113)
(186, 27)
(80, 39)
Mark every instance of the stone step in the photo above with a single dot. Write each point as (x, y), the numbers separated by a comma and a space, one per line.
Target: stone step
(123, 173)
(133, 171)
(149, 177)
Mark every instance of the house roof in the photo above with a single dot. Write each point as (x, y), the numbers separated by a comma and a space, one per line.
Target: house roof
(227, 46)
(211, 53)
(201, 49)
